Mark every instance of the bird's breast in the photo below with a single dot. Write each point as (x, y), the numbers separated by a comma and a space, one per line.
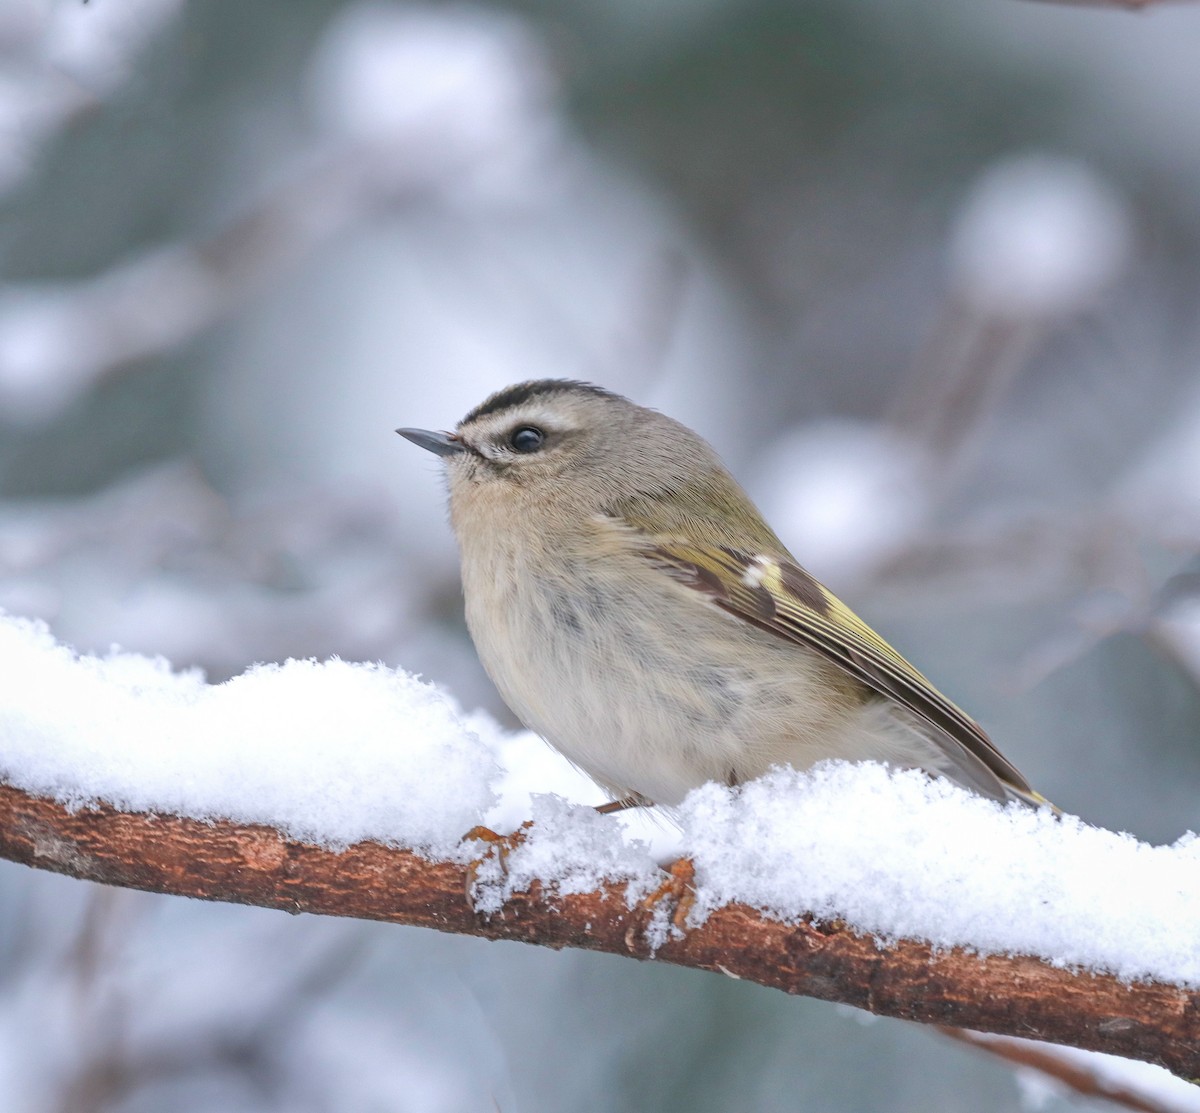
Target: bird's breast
(641, 683)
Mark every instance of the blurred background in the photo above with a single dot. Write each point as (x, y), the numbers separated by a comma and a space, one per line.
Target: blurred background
(927, 275)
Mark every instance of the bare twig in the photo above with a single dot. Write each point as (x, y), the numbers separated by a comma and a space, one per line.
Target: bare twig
(1052, 1063)
(1129, 5)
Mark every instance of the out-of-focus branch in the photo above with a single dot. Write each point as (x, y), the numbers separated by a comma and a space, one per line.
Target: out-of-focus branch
(409, 106)
(1131, 5)
(1010, 995)
(59, 341)
(1068, 1073)
(114, 1066)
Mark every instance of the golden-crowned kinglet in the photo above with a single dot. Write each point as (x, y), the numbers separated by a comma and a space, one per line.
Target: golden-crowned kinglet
(634, 609)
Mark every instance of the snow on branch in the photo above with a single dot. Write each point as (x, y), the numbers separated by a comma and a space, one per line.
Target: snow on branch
(1014, 995)
(346, 789)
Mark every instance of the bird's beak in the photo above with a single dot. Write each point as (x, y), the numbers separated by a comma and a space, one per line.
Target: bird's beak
(443, 444)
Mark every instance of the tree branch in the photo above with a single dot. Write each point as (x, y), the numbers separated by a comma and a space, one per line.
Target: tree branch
(1052, 1063)
(1009, 995)
(1130, 5)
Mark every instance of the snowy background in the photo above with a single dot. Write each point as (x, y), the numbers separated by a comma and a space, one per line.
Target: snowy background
(928, 277)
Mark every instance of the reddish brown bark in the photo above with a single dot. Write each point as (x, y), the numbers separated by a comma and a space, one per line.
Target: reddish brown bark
(1010, 995)
(1052, 1062)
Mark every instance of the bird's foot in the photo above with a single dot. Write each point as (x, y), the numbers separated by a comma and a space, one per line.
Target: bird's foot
(664, 912)
(498, 848)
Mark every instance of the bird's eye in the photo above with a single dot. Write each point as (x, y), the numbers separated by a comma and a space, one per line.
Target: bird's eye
(526, 438)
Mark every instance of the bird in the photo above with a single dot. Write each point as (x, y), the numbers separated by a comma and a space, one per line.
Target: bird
(633, 607)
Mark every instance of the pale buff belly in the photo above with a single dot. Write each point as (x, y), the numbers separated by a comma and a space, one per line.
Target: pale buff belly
(656, 692)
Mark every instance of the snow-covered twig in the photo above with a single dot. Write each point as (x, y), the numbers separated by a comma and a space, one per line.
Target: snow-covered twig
(1006, 994)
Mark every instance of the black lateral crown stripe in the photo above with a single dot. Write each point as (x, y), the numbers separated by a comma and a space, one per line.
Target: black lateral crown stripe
(523, 392)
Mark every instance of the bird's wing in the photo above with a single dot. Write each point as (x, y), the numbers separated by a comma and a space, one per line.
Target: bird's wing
(778, 596)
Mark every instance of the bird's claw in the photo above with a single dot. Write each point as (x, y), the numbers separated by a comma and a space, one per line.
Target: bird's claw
(499, 847)
(665, 911)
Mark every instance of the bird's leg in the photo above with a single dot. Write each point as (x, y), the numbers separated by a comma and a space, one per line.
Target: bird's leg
(504, 845)
(675, 896)
(633, 800)
(675, 887)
